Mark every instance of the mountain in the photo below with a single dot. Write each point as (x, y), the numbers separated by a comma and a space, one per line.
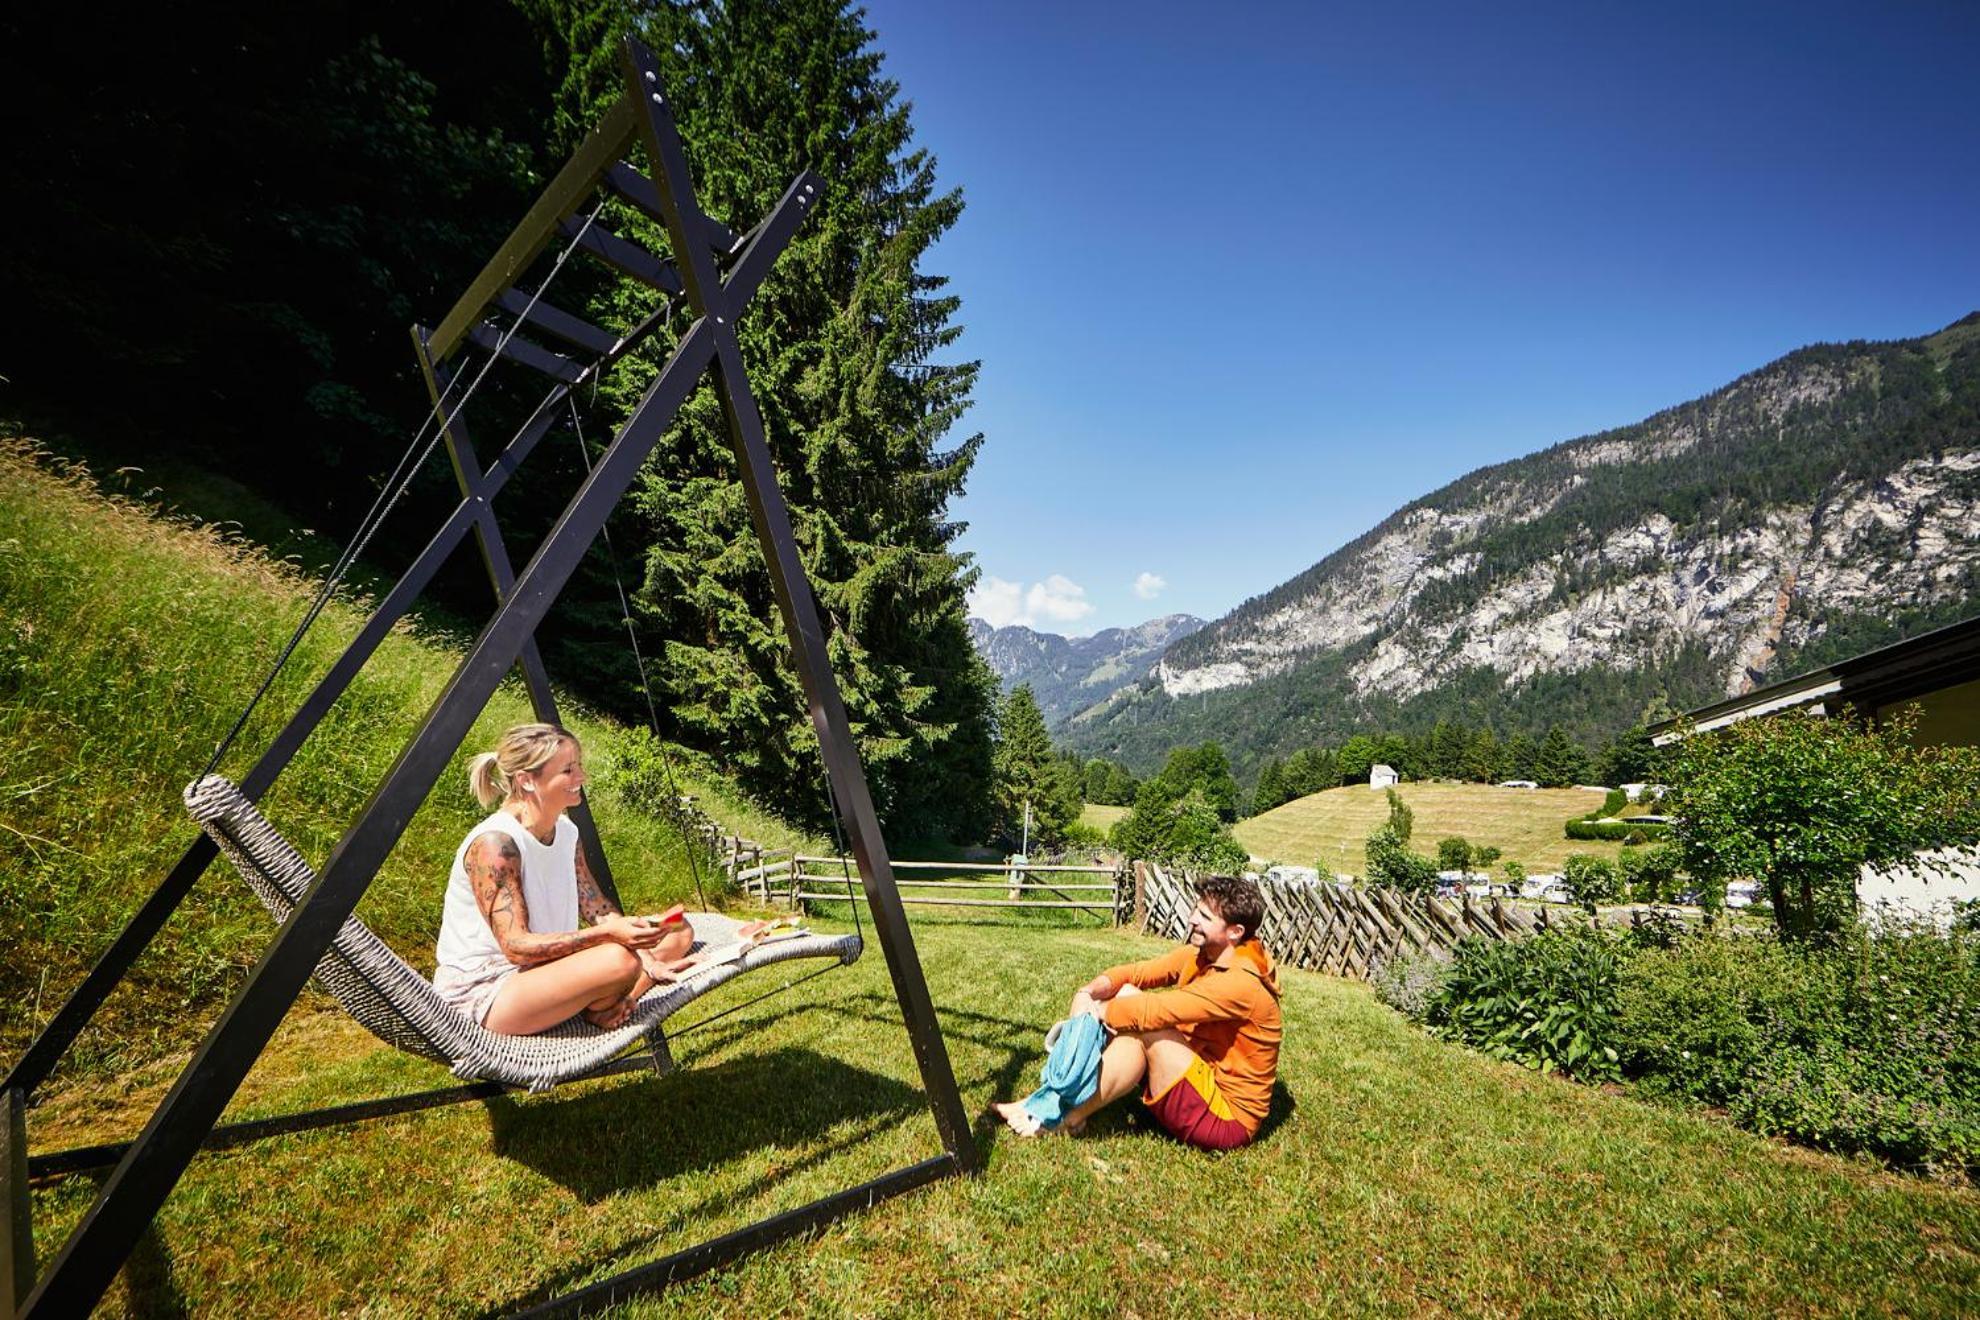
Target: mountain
(1824, 504)
(1069, 674)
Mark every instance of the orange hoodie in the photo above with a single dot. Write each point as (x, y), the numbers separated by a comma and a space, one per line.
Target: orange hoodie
(1230, 1014)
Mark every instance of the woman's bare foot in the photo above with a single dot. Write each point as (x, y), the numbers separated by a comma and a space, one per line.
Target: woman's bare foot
(610, 1016)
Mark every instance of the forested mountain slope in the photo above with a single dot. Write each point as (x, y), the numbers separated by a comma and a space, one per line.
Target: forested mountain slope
(1069, 674)
(1827, 502)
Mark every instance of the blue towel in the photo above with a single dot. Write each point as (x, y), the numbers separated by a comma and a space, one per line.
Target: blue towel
(1072, 1069)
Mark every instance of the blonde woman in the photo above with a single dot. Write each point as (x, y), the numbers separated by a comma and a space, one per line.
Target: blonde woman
(527, 938)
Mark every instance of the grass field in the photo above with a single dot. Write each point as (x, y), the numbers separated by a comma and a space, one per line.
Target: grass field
(1329, 829)
(1099, 817)
(1401, 1176)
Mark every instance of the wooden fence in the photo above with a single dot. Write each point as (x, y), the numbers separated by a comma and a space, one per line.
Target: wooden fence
(1340, 929)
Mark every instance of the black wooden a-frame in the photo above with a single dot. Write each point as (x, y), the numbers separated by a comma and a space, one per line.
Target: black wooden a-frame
(148, 1168)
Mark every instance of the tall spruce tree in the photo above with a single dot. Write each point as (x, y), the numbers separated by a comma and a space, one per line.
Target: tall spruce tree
(1029, 775)
(842, 346)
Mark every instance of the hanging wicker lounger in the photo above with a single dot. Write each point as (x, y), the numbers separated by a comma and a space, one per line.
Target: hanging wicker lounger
(399, 1006)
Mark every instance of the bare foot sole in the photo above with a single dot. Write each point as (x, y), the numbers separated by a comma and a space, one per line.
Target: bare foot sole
(1016, 1118)
(607, 1018)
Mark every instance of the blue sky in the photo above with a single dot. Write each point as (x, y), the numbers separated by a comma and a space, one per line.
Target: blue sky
(1246, 278)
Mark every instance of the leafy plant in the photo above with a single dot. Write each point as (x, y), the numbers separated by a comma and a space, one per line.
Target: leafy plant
(1548, 1002)
(1390, 862)
(1803, 803)
(1650, 874)
(1591, 880)
(1454, 854)
(1408, 981)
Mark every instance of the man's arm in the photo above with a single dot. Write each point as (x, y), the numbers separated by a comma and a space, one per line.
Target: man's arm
(1149, 974)
(1209, 999)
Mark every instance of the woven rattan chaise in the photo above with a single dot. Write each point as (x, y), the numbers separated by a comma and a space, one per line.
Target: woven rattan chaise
(398, 1005)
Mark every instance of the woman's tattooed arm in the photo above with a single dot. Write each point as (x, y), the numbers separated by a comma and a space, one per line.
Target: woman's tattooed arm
(494, 867)
(593, 906)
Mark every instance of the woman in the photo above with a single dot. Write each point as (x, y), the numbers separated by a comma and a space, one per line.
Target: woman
(512, 954)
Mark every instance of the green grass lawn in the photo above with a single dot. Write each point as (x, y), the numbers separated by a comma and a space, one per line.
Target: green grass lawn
(1330, 828)
(1100, 817)
(1401, 1175)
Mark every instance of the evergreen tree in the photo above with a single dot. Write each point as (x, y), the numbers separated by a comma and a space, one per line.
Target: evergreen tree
(1630, 759)
(843, 347)
(1483, 757)
(1271, 789)
(1517, 761)
(1356, 758)
(1206, 771)
(1559, 762)
(1028, 773)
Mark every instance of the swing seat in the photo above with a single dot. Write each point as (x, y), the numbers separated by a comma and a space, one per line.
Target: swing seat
(401, 1008)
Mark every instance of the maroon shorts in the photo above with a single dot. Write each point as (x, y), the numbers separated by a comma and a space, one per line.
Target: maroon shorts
(1195, 1112)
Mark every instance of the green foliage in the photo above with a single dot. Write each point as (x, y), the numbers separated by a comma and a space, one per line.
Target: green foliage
(1455, 854)
(1402, 821)
(1548, 1002)
(1591, 880)
(1864, 1044)
(1408, 981)
(1108, 783)
(1650, 874)
(1205, 772)
(1559, 763)
(1802, 803)
(1629, 831)
(1483, 855)
(1631, 758)
(1392, 864)
(1180, 829)
(844, 345)
(1270, 790)
(1028, 775)
(1515, 875)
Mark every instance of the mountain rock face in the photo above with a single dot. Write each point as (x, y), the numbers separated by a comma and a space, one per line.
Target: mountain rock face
(1825, 503)
(1069, 674)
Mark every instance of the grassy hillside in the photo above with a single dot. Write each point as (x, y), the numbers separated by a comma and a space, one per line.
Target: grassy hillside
(1402, 1176)
(1102, 818)
(1328, 829)
(128, 644)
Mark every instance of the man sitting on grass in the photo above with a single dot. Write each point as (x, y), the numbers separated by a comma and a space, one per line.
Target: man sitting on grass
(1205, 1049)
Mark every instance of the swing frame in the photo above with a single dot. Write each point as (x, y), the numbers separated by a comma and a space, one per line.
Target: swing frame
(147, 1169)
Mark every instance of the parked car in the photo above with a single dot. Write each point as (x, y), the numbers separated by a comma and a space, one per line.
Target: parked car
(1742, 893)
(1558, 892)
(1534, 886)
(1518, 783)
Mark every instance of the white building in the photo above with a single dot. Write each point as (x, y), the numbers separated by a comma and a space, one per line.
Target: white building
(1383, 776)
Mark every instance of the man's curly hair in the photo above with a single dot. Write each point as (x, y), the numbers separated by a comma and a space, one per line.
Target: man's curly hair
(1236, 900)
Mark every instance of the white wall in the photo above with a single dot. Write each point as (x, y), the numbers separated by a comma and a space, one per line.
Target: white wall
(1921, 892)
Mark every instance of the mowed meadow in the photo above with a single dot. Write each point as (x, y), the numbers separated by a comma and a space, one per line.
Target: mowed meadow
(1398, 1175)
(1329, 829)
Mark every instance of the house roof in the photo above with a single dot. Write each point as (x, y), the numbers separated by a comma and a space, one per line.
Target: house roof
(1902, 671)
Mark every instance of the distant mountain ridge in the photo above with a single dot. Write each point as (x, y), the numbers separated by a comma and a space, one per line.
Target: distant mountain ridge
(1825, 503)
(1069, 674)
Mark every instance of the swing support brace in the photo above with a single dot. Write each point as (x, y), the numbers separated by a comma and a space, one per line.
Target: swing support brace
(151, 1166)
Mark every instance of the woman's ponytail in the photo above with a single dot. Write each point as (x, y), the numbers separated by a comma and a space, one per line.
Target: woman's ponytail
(486, 780)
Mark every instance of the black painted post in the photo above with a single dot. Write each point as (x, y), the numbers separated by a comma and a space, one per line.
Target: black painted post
(710, 301)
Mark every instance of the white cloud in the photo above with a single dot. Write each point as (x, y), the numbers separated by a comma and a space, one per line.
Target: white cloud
(1051, 604)
(1149, 585)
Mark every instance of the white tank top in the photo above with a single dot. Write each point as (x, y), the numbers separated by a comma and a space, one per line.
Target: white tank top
(549, 882)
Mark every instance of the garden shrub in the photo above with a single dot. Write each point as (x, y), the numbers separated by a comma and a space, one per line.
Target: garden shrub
(1650, 874)
(1548, 1002)
(1390, 862)
(1591, 880)
(1869, 1044)
(1407, 981)
(1638, 831)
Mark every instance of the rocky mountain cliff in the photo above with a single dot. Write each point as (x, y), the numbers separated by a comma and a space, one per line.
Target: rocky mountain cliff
(1828, 502)
(1070, 674)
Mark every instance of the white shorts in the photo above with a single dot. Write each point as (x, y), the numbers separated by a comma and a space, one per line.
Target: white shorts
(472, 994)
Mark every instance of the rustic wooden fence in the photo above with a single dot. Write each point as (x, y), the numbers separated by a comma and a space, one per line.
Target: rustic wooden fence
(1343, 930)
(1102, 889)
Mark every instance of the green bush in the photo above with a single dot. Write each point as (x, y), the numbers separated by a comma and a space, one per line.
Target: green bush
(1454, 854)
(1591, 880)
(1637, 831)
(1872, 1044)
(1391, 863)
(1408, 981)
(1548, 1002)
(1650, 874)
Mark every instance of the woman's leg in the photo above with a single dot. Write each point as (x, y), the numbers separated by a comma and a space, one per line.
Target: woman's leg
(592, 980)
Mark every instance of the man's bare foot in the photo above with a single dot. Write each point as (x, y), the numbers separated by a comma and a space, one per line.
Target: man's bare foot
(1017, 1118)
(1073, 1127)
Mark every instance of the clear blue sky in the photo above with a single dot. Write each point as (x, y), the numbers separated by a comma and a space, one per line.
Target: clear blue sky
(1244, 278)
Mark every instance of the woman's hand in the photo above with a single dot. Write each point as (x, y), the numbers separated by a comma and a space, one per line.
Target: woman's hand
(666, 971)
(633, 932)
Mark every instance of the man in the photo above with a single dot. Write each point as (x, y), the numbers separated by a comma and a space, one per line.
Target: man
(1205, 1049)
